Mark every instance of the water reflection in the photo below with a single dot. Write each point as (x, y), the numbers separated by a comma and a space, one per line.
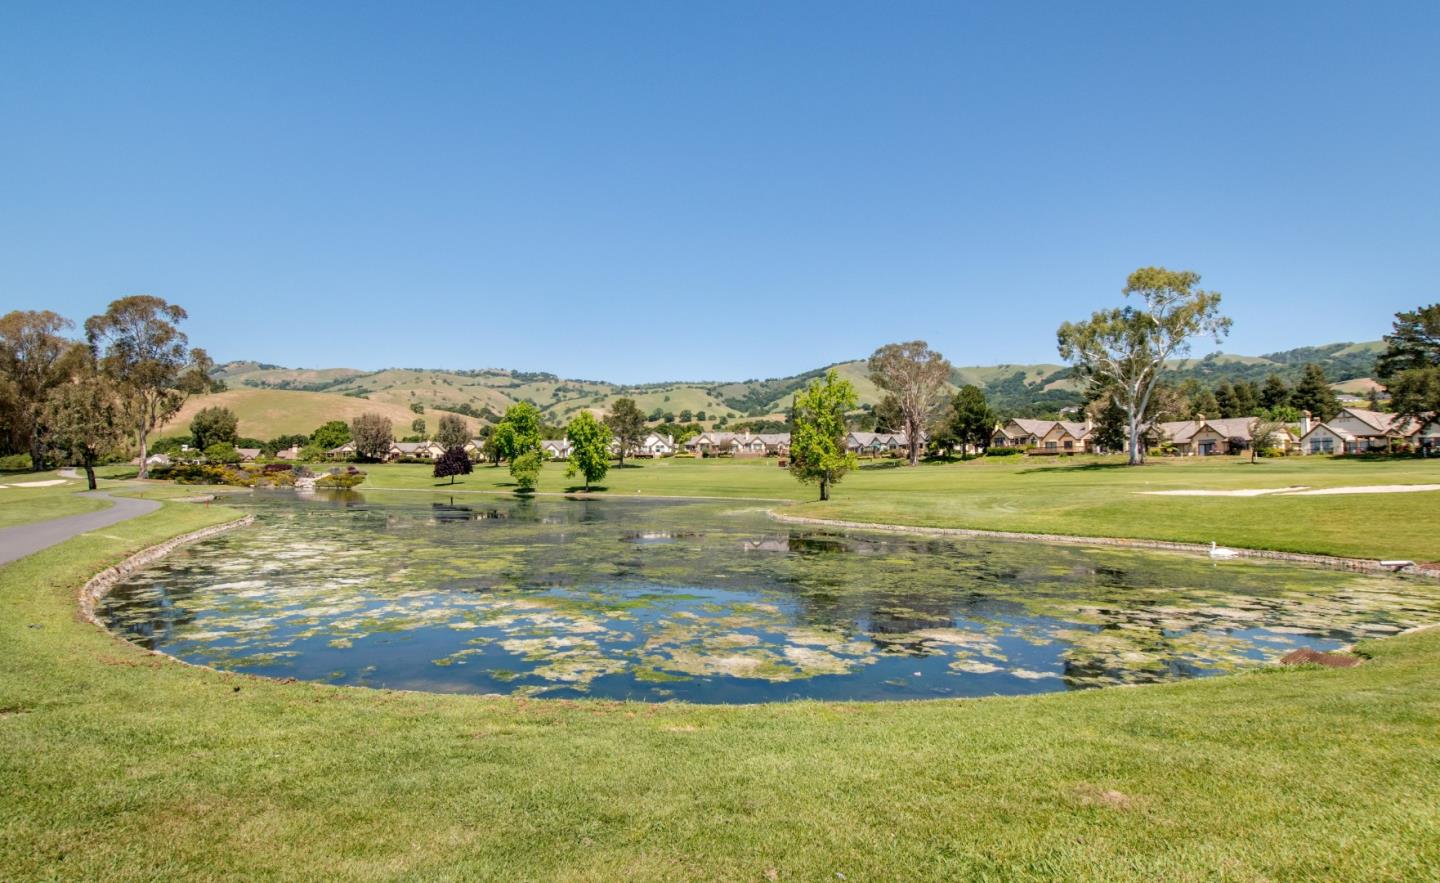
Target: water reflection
(710, 602)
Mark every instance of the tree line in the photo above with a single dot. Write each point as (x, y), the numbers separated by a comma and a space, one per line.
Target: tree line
(74, 400)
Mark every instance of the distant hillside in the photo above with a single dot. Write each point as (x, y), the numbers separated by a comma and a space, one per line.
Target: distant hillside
(1019, 389)
(270, 413)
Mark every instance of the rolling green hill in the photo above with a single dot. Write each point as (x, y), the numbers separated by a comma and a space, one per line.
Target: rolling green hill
(1014, 389)
(270, 413)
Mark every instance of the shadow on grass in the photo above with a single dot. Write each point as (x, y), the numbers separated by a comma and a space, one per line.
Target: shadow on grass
(580, 489)
(1081, 467)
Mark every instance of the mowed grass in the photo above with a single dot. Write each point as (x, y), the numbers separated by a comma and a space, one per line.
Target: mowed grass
(1081, 496)
(22, 505)
(120, 765)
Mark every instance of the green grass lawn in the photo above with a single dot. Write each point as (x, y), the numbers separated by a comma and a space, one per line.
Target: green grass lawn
(21, 505)
(120, 765)
(1082, 496)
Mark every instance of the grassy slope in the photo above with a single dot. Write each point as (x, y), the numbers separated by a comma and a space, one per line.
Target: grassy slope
(267, 413)
(119, 765)
(1083, 496)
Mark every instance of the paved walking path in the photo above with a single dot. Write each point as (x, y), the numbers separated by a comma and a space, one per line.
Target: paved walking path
(21, 540)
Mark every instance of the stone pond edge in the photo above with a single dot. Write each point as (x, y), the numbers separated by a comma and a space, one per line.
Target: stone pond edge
(99, 585)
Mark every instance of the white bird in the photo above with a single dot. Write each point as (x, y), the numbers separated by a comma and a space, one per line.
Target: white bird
(1222, 553)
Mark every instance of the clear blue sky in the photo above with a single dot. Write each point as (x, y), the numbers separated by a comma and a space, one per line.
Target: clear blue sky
(643, 191)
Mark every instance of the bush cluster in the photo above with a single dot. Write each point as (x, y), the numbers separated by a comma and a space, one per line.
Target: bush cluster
(1003, 452)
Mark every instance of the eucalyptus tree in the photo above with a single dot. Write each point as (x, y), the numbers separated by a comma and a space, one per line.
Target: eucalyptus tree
(817, 438)
(373, 435)
(915, 375)
(1124, 349)
(149, 360)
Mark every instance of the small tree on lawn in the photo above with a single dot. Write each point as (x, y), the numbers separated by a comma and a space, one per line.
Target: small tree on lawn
(817, 441)
(525, 469)
(590, 448)
(973, 423)
(373, 435)
(85, 420)
(1266, 435)
(1125, 349)
(452, 432)
(627, 424)
(452, 463)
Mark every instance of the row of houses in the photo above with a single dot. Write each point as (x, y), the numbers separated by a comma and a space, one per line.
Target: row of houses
(1352, 431)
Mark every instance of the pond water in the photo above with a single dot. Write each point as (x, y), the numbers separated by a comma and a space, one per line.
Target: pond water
(714, 602)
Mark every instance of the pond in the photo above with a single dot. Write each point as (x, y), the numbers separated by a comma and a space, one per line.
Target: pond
(714, 602)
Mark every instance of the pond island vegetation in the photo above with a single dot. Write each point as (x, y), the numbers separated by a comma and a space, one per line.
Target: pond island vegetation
(617, 630)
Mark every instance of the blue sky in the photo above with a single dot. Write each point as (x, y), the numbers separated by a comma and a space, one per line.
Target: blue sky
(644, 191)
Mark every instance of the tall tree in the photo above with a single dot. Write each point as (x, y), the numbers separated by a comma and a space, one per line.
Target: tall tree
(1313, 394)
(1275, 394)
(452, 463)
(149, 360)
(1414, 343)
(517, 439)
(1266, 435)
(627, 424)
(1108, 418)
(888, 415)
(525, 469)
(35, 358)
(1206, 404)
(589, 448)
(915, 375)
(1410, 365)
(213, 424)
(417, 427)
(817, 441)
(452, 432)
(373, 435)
(1125, 348)
(1247, 398)
(973, 421)
(1225, 398)
(84, 418)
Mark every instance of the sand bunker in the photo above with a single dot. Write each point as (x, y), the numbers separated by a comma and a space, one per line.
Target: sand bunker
(1303, 491)
(50, 483)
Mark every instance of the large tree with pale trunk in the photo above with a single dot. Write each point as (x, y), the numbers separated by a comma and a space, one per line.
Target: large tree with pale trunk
(149, 360)
(84, 418)
(1124, 350)
(915, 375)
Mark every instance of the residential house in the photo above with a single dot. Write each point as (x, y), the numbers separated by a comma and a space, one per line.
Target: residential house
(1207, 437)
(877, 444)
(290, 453)
(248, 455)
(425, 450)
(655, 445)
(777, 444)
(1360, 431)
(342, 452)
(711, 444)
(556, 448)
(1044, 436)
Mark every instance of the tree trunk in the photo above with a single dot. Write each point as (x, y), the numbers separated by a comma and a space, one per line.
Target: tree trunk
(90, 473)
(37, 450)
(144, 453)
(824, 489)
(1135, 458)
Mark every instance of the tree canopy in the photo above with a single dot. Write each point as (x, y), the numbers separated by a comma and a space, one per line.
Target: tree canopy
(373, 435)
(627, 424)
(1410, 365)
(455, 461)
(1313, 394)
(330, 435)
(452, 432)
(817, 440)
(915, 375)
(1124, 349)
(149, 360)
(84, 419)
(972, 421)
(589, 448)
(212, 425)
(35, 359)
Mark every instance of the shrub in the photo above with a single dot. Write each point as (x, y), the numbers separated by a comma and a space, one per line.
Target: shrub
(341, 480)
(1003, 452)
(15, 463)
